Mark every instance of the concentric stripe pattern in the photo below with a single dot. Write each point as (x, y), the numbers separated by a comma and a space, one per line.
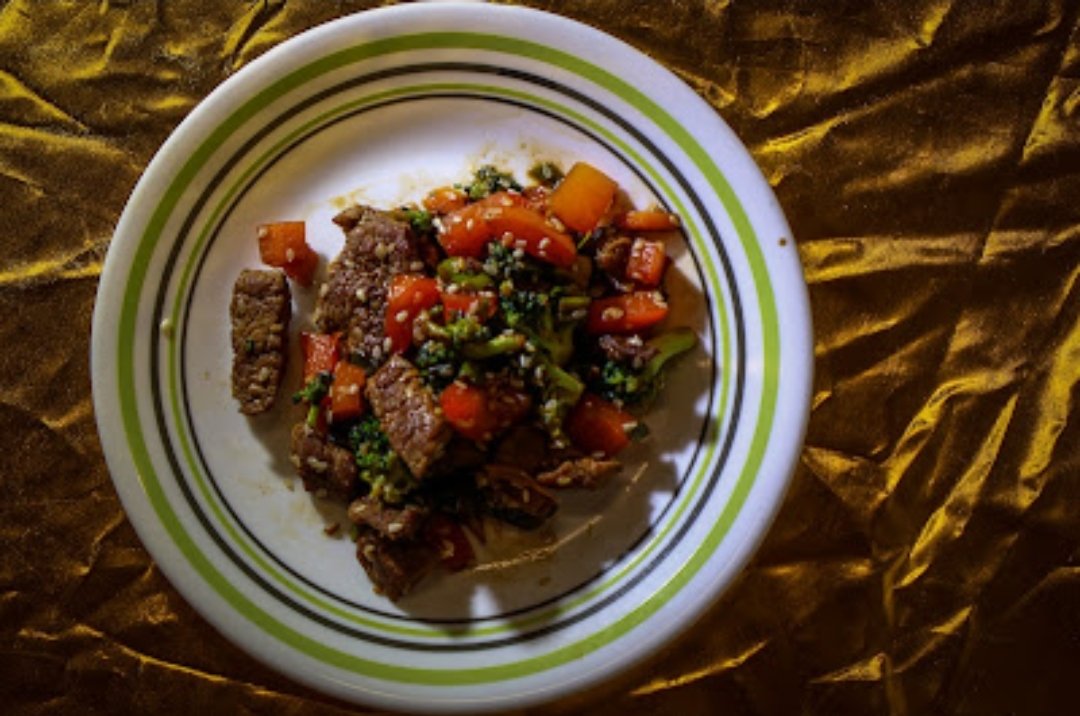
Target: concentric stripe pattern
(134, 423)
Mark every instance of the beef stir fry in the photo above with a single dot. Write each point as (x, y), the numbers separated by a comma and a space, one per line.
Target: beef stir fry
(472, 355)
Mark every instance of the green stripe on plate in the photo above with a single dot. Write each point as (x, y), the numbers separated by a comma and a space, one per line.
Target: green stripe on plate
(127, 332)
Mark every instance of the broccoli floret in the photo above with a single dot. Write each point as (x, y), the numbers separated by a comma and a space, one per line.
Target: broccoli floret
(489, 180)
(546, 173)
(313, 393)
(560, 390)
(633, 386)
(419, 219)
(438, 363)
(377, 463)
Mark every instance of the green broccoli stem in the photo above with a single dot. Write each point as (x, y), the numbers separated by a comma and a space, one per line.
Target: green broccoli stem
(453, 270)
(668, 345)
(570, 305)
(499, 345)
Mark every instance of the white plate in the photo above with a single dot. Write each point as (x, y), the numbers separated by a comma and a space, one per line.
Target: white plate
(379, 107)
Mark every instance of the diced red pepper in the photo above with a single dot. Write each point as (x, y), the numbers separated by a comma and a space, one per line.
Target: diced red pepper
(347, 391)
(409, 294)
(445, 199)
(626, 313)
(479, 413)
(467, 231)
(284, 245)
(482, 304)
(534, 234)
(321, 353)
(596, 426)
(449, 539)
(583, 197)
(648, 220)
(646, 263)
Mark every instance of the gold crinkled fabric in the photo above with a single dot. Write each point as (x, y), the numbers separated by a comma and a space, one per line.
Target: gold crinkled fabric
(927, 154)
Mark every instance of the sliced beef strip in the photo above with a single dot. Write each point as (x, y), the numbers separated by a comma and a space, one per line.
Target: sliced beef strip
(512, 496)
(322, 465)
(393, 566)
(586, 472)
(392, 522)
(353, 299)
(612, 255)
(409, 414)
(525, 447)
(259, 312)
(630, 350)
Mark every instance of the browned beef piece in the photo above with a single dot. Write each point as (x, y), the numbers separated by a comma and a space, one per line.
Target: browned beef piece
(353, 299)
(612, 255)
(512, 496)
(394, 566)
(259, 312)
(323, 466)
(392, 522)
(409, 414)
(525, 447)
(584, 472)
(460, 456)
(627, 349)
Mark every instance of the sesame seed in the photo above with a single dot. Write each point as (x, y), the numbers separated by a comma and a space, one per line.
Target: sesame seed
(381, 250)
(563, 481)
(559, 226)
(453, 288)
(519, 253)
(290, 255)
(263, 232)
(438, 224)
(361, 294)
(388, 344)
(401, 316)
(469, 225)
(544, 243)
(416, 266)
(377, 353)
(394, 527)
(612, 313)
(456, 219)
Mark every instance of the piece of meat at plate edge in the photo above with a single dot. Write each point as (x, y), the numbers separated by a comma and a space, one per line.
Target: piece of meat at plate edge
(259, 312)
(353, 299)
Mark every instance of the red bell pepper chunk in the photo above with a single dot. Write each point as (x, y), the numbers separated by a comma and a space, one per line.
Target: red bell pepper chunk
(626, 313)
(646, 263)
(596, 426)
(583, 197)
(449, 539)
(467, 231)
(480, 413)
(648, 220)
(409, 294)
(284, 245)
(321, 353)
(445, 199)
(482, 304)
(347, 391)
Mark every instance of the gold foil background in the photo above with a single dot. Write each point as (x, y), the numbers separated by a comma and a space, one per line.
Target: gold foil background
(927, 154)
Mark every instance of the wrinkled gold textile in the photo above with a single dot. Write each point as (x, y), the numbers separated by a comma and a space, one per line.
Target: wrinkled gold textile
(927, 154)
